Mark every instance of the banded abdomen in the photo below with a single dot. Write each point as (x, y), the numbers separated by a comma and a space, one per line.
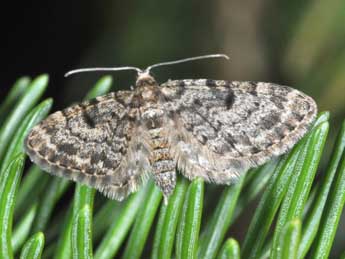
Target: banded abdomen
(162, 164)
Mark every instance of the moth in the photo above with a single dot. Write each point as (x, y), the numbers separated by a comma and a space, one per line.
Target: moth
(213, 129)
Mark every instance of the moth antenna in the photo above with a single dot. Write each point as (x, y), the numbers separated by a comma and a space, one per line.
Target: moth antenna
(186, 60)
(82, 70)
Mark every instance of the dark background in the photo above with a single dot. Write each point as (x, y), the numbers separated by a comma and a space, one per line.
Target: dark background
(297, 43)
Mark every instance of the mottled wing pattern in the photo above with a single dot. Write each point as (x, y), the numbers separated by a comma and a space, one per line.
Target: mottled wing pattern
(91, 143)
(223, 128)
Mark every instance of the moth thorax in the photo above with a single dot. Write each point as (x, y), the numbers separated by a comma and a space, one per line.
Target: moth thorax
(149, 94)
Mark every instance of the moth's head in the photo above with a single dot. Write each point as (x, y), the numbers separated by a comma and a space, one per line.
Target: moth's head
(145, 79)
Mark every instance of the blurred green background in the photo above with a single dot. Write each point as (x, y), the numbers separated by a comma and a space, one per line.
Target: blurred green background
(296, 43)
